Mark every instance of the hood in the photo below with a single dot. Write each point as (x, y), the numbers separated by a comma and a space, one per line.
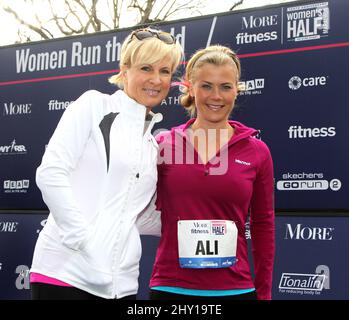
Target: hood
(241, 131)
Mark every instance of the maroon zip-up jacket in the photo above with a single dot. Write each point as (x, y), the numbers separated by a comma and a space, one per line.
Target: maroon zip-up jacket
(236, 185)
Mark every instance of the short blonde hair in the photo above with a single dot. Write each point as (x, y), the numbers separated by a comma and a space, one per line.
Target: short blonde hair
(217, 55)
(147, 51)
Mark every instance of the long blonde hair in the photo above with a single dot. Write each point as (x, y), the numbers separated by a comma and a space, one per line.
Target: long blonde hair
(147, 51)
(217, 55)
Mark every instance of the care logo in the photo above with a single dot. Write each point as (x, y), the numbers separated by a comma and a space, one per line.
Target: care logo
(307, 182)
(251, 87)
(16, 186)
(296, 82)
(308, 22)
(12, 149)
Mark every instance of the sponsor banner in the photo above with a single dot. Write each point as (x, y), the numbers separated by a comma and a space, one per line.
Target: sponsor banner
(309, 263)
(308, 22)
(297, 82)
(16, 109)
(56, 105)
(12, 149)
(293, 96)
(16, 186)
(274, 28)
(21, 231)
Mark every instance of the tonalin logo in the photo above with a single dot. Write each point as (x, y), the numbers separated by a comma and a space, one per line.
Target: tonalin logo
(301, 232)
(306, 283)
(16, 186)
(296, 82)
(254, 22)
(251, 87)
(22, 280)
(308, 22)
(55, 105)
(307, 182)
(14, 109)
(298, 132)
(13, 149)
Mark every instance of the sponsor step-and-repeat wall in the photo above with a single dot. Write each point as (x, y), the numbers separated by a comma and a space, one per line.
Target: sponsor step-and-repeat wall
(294, 66)
(309, 260)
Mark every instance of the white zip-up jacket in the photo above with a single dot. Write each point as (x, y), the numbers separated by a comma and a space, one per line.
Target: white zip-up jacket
(97, 177)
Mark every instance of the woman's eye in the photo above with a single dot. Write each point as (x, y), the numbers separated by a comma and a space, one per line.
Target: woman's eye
(165, 71)
(145, 68)
(206, 86)
(227, 87)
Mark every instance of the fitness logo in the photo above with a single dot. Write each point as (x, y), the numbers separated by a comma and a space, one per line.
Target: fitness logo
(296, 82)
(55, 105)
(308, 22)
(297, 132)
(307, 182)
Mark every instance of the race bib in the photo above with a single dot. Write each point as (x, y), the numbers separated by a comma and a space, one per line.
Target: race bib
(207, 243)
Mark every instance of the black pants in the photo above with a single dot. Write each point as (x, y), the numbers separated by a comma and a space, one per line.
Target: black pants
(44, 291)
(162, 295)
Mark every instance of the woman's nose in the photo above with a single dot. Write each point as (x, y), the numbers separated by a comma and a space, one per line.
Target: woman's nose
(215, 94)
(155, 79)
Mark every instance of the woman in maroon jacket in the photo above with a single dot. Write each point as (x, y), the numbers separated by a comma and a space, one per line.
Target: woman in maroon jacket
(214, 175)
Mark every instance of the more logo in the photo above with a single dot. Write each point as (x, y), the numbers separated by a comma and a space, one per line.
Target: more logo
(301, 232)
(12, 109)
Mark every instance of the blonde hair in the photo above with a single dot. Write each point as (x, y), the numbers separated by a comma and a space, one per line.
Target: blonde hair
(216, 55)
(147, 51)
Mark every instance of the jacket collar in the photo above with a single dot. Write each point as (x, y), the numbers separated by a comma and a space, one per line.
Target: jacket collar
(134, 110)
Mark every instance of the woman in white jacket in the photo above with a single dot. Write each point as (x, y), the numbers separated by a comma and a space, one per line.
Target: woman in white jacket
(98, 175)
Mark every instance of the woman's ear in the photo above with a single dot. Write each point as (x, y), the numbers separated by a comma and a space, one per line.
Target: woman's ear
(124, 73)
(190, 89)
